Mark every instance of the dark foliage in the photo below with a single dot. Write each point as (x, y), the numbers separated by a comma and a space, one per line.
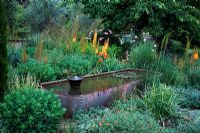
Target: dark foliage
(3, 50)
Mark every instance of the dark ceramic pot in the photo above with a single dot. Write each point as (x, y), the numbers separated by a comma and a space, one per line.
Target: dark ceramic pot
(75, 82)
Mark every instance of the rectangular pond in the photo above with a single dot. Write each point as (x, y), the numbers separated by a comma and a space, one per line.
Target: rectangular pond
(96, 90)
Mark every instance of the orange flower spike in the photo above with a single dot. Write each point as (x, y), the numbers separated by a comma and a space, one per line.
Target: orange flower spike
(100, 54)
(105, 47)
(196, 56)
(105, 56)
(74, 38)
(100, 60)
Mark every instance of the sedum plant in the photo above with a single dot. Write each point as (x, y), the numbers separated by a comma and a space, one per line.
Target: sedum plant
(30, 110)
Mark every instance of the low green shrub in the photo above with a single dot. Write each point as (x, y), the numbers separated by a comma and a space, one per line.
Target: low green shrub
(31, 51)
(34, 40)
(118, 122)
(131, 104)
(143, 56)
(54, 56)
(161, 100)
(86, 120)
(129, 122)
(190, 98)
(190, 122)
(188, 127)
(43, 72)
(110, 64)
(194, 75)
(30, 110)
(14, 56)
(77, 64)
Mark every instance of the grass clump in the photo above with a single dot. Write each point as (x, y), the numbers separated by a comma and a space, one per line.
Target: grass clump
(142, 55)
(161, 100)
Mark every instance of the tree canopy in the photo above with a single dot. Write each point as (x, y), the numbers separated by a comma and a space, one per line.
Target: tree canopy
(155, 16)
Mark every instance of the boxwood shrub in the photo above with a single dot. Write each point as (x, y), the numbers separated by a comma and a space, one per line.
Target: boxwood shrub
(30, 110)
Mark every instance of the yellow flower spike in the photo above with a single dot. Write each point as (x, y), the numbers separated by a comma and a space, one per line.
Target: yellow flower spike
(94, 40)
(97, 48)
(105, 47)
(96, 51)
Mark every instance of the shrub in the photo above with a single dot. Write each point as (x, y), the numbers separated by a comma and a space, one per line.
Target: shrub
(14, 56)
(43, 72)
(142, 55)
(117, 122)
(191, 123)
(55, 56)
(131, 104)
(88, 119)
(48, 40)
(30, 110)
(31, 51)
(110, 64)
(161, 100)
(42, 13)
(129, 122)
(194, 75)
(190, 98)
(76, 64)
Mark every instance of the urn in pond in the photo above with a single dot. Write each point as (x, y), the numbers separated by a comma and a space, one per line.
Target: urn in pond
(75, 82)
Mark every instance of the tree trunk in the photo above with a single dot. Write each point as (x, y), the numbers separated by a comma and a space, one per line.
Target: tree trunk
(3, 50)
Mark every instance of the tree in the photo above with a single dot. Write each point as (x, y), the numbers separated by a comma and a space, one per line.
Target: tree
(3, 50)
(43, 13)
(155, 16)
(10, 6)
